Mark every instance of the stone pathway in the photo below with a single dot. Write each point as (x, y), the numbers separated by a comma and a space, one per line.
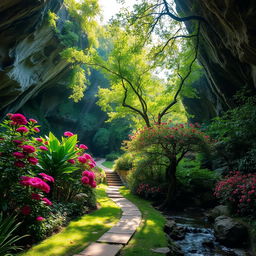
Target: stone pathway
(110, 243)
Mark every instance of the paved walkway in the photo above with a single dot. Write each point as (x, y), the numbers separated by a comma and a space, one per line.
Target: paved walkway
(110, 243)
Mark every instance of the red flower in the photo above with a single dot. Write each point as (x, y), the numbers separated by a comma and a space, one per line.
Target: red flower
(43, 148)
(33, 120)
(46, 201)
(72, 161)
(22, 129)
(33, 160)
(36, 129)
(26, 210)
(18, 155)
(19, 119)
(82, 146)
(19, 164)
(47, 177)
(28, 149)
(68, 134)
(40, 218)
(35, 196)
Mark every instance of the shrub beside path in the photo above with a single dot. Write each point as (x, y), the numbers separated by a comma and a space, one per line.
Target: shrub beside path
(110, 243)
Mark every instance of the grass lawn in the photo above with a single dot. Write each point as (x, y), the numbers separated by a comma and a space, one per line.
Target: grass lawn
(80, 232)
(108, 164)
(150, 234)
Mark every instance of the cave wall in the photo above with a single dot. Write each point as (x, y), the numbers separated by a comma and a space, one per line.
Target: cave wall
(29, 51)
(227, 46)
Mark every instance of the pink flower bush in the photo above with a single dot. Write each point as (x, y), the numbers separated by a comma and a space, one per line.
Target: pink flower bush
(46, 201)
(18, 119)
(33, 160)
(35, 183)
(88, 178)
(239, 191)
(82, 159)
(82, 146)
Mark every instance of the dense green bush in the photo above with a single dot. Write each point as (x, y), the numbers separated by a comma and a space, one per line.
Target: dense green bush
(112, 156)
(124, 162)
(235, 134)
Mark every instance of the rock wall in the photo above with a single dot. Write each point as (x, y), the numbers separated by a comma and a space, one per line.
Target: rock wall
(29, 51)
(228, 44)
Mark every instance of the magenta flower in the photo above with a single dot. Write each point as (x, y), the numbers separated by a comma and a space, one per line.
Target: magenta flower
(19, 119)
(40, 218)
(47, 177)
(82, 159)
(87, 156)
(93, 184)
(68, 134)
(82, 146)
(22, 129)
(39, 139)
(33, 120)
(85, 180)
(19, 164)
(43, 148)
(35, 196)
(26, 210)
(72, 161)
(33, 160)
(18, 155)
(28, 149)
(17, 142)
(46, 201)
(36, 129)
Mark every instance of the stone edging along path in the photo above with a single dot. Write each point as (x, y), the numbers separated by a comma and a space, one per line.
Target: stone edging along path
(110, 243)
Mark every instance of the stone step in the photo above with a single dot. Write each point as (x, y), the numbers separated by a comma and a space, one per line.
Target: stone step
(100, 249)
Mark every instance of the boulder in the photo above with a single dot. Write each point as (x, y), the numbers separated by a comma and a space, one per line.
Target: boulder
(174, 231)
(230, 232)
(220, 210)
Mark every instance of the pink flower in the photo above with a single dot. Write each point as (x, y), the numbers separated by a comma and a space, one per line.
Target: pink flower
(26, 210)
(19, 164)
(33, 120)
(9, 115)
(28, 149)
(72, 161)
(43, 148)
(22, 129)
(17, 142)
(35, 183)
(47, 177)
(93, 184)
(36, 129)
(39, 139)
(87, 156)
(19, 119)
(85, 180)
(68, 134)
(92, 165)
(35, 196)
(18, 155)
(33, 160)
(40, 218)
(46, 201)
(24, 180)
(82, 159)
(82, 146)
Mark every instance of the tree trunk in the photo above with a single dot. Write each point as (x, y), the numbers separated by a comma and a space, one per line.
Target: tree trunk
(172, 184)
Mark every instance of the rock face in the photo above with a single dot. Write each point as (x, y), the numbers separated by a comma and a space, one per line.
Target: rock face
(228, 45)
(29, 51)
(230, 232)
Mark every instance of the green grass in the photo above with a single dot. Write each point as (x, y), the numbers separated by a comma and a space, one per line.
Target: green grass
(80, 232)
(150, 234)
(108, 164)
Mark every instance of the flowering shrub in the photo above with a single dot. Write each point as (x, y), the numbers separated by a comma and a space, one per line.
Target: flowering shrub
(171, 143)
(239, 191)
(149, 192)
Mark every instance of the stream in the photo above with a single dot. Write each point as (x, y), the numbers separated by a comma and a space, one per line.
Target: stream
(199, 239)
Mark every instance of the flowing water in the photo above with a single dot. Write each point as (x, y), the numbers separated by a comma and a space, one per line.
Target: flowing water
(199, 239)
